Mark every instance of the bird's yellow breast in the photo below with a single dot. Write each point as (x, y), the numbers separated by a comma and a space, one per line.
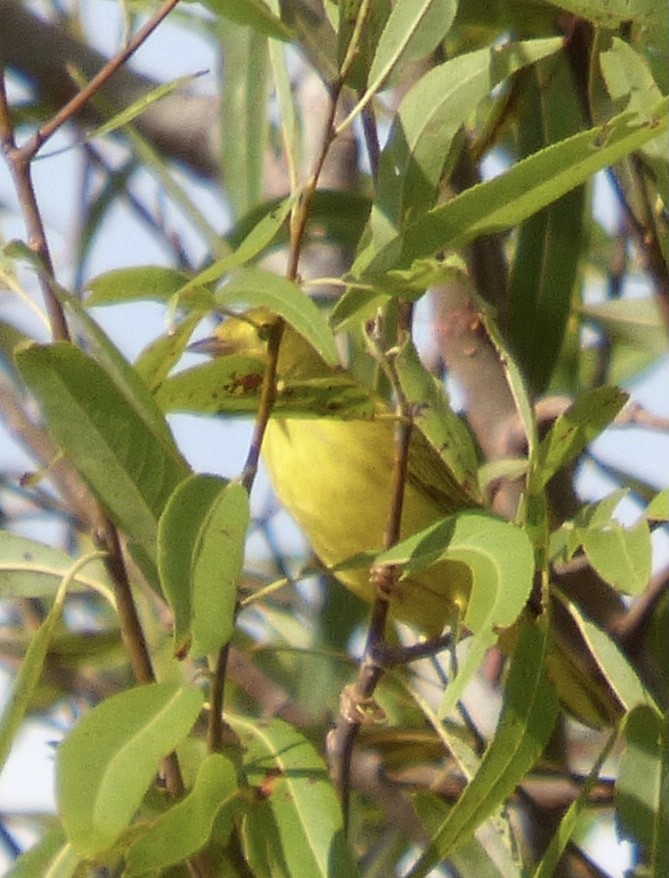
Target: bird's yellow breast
(334, 478)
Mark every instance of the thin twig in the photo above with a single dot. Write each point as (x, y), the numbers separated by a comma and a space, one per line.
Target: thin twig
(105, 534)
(298, 224)
(79, 101)
(357, 706)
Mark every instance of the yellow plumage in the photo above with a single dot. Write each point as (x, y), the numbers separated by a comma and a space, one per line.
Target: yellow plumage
(334, 478)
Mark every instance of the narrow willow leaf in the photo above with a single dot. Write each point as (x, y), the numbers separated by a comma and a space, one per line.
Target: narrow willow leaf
(612, 13)
(501, 561)
(622, 556)
(158, 359)
(548, 249)
(254, 13)
(136, 108)
(443, 429)
(231, 385)
(109, 759)
(245, 124)
(257, 240)
(575, 429)
(37, 859)
(201, 537)
(252, 286)
(357, 71)
(614, 666)
(641, 787)
(636, 322)
(123, 375)
(426, 122)
(569, 822)
(186, 827)
(524, 728)
(528, 186)
(628, 78)
(412, 31)
(26, 680)
(124, 461)
(31, 569)
(147, 283)
(298, 826)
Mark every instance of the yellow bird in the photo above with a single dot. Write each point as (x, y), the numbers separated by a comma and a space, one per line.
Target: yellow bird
(334, 477)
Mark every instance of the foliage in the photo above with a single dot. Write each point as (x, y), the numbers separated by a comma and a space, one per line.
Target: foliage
(211, 680)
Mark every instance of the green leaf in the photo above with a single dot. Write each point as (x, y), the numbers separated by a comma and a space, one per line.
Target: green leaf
(128, 465)
(252, 286)
(298, 825)
(435, 418)
(31, 569)
(110, 758)
(136, 108)
(501, 561)
(231, 385)
(569, 822)
(32, 666)
(157, 360)
(636, 322)
(38, 859)
(244, 132)
(575, 429)
(549, 242)
(147, 283)
(525, 726)
(414, 28)
(122, 374)
(627, 76)
(253, 13)
(201, 537)
(530, 185)
(622, 556)
(642, 785)
(187, 826)
(614, 666)
(256, 241)
(427, 120)
(612, 13)
(658, 508)
(377, 13)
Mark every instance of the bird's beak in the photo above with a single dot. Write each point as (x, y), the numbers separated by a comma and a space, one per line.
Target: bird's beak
(212, 345)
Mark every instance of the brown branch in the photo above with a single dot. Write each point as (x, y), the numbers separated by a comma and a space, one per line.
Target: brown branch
(105, 533)
(182, 126)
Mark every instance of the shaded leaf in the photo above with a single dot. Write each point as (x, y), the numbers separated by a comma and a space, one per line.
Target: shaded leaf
(31, 569)
(127, 464)
(642, 786)
(524, 728)
(575, 428)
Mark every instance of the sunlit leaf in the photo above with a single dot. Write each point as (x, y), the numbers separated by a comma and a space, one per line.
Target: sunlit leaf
(109, 759)
(501, 560)
(187, 826)
(200, 554)
(297, 825)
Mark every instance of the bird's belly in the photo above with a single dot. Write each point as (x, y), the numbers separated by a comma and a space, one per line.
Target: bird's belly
(334, 478)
